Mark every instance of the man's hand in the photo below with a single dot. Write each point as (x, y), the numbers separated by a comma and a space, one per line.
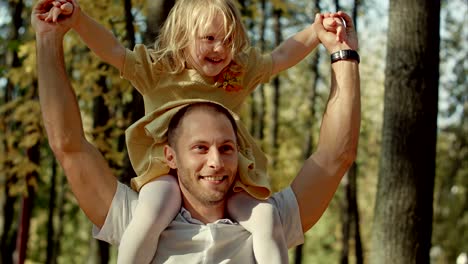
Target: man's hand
(40, 11)
(335, 24)
(55, 15)
(60, 9)
(345, 38)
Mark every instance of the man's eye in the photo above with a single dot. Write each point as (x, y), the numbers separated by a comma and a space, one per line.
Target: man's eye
(226, 148)
(200, 148)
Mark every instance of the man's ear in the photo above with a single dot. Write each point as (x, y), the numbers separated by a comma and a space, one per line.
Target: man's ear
(169, 154)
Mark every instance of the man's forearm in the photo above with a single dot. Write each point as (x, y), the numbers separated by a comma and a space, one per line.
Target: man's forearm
(339, 132)
(321, 174)
(88, 174)
(60, 112)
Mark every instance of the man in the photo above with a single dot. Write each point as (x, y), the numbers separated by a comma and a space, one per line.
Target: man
(204, 154)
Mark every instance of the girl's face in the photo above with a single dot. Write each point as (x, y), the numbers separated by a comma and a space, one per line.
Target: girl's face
(209, 54)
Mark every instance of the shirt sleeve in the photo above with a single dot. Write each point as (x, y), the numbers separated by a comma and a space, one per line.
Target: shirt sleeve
(140, 68)
(286, 203)
(119, 215)
(258, 67)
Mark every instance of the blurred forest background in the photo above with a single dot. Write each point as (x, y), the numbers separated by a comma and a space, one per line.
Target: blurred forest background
(404, 201)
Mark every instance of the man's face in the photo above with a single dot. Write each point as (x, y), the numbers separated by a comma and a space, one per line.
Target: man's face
(205, 155)
(209, 54)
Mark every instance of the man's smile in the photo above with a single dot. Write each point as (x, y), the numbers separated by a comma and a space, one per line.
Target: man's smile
(213, 178)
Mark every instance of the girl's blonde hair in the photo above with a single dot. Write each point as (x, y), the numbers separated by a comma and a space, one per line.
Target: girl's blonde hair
(187, 20)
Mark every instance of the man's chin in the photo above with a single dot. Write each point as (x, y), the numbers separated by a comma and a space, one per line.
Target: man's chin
(215, 198)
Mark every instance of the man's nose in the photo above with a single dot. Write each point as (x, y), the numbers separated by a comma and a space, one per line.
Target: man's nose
(214, 159)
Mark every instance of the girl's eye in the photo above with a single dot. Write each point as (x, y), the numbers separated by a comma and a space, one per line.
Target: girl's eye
(228, 42)
(210, 38)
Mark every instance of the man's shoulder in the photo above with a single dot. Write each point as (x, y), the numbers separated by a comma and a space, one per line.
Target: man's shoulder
(283, 197)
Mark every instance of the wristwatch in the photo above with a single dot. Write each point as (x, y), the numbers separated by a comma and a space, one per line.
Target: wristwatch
(344, 55)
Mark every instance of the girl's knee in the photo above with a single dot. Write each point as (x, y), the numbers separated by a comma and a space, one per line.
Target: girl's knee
(264, 209)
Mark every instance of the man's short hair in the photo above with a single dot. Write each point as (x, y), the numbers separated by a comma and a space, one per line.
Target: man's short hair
(174, 124)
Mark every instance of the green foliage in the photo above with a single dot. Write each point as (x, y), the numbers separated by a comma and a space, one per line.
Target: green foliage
(451, 193)
(22, 131)
(21, 128)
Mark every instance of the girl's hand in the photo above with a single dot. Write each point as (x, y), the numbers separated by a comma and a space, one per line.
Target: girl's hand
(59, 8)
(39, 13)
(344, 37)
(335, 24)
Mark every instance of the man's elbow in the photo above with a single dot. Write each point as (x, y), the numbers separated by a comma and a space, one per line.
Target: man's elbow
(63, 145)
(349, 156)
(341, 159)
(349, 151)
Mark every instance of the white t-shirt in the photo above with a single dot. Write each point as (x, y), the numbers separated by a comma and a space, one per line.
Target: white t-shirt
(187, 240)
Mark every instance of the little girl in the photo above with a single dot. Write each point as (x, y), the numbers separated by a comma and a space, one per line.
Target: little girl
(202, 52)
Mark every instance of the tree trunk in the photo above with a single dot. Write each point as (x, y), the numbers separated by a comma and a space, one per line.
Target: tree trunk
(350, 220)
(60, 216)
(345, 222)
(26, 208)
(9, 232)
(277, 13)
(23, 231)
(357, 5)
(403, 211)
(32, 153)
(337, 5)
(261, 90)
(309, 126)
(358, 251)
(249, 25)
(157, 14)
(50, 250)
(103, 249)
(258, 110)
(133, 110)
(101, 116)
(7, 241)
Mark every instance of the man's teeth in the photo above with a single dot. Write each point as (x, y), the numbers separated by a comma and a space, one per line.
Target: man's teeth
(213, 178)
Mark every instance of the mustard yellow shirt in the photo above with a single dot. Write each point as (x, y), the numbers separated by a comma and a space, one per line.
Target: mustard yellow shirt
(164, 94)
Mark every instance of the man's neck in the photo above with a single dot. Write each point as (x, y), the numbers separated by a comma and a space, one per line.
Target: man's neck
(205, 213)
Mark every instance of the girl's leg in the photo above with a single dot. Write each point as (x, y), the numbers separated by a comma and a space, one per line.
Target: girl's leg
(262, 220)
(159, 202)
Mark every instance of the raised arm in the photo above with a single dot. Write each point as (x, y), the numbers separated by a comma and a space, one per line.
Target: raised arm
(295, 48)
(88, 174)
(99, 39)
(321, 174)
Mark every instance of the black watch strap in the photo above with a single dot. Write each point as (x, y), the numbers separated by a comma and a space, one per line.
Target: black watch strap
(344, 55)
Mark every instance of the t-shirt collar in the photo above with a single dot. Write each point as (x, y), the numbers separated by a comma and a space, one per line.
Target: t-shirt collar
(185, 214)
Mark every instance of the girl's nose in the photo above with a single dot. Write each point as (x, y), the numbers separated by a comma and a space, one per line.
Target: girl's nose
(219, 46)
